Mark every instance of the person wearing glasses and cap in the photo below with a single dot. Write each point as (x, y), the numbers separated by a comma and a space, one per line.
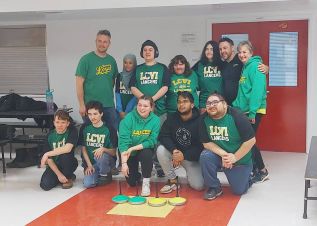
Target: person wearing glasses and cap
(228, 136)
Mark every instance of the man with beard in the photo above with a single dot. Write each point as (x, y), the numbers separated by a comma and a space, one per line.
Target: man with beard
(228, 136)
(180, 146)
(231, 68)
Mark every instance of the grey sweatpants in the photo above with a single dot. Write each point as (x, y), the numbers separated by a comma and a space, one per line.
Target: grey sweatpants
(192, 168)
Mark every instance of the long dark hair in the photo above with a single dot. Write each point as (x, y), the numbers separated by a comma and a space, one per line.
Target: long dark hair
(216, 57)
(180, 59)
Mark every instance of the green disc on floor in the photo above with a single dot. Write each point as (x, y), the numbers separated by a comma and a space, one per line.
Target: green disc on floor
(156, 202)
(120, 198)
(137, 200)
(177, 201)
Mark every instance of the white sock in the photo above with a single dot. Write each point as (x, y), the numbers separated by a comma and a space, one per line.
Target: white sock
(146, 180)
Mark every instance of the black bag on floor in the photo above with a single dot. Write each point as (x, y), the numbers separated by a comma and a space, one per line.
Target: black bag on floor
(25, 157)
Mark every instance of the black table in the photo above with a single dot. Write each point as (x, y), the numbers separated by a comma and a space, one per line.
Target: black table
(25, 114)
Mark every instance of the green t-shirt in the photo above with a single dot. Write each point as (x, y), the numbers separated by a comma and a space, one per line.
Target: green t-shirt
(149, 80)
(94, 138)
(99, 74)
(209, 81)
(181, 83)
(55, 140)
(125, 93)
(229, 133)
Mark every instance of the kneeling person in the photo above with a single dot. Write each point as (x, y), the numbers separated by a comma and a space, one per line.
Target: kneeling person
(138, 133)
(97, 152)
(180, 145)
(59, 156)
(229, 137)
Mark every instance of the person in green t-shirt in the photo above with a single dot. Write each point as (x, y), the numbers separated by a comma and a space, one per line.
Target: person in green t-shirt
(208, 72)
(138, 133)
(97, 151)
(59, 156)
(152, 79)
(228, 136)
(182, 79)
(95, 76)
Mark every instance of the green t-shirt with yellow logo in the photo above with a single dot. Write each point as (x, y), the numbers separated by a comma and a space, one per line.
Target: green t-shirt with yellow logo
(56, 140)
(149, 80)
(99, 74)
(181, 83)
(229, 132)
(209, 80)
(94, 138)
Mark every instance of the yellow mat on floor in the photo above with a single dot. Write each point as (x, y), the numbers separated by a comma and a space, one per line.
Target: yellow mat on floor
(143, 210)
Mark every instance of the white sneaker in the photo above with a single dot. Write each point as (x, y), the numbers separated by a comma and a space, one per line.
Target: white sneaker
(145, 189)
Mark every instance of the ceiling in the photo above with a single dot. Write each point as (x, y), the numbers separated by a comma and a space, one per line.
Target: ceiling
(159, 11)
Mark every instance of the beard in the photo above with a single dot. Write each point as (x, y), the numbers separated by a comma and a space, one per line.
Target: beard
(186, 112)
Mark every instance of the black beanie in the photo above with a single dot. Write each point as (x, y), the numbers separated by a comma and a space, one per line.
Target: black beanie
(149, 43)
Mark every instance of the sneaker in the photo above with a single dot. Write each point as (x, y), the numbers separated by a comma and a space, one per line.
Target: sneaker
(115, 171)
(160, 173)
(68, 184)
(260, 176)
(213, 193)
(103, 180)
(169, 186)
(145, 189)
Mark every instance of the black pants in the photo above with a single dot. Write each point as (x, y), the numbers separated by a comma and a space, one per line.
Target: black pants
(258, 163)
(67, 164)
(145, 157)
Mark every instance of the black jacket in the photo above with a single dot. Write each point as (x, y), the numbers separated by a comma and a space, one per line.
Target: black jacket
(182, 135)
(231, 73)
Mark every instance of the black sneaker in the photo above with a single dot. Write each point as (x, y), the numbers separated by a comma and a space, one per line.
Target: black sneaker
(213, 193)
(260, 176)
(103, 180)
(115, 171)
(160, 173)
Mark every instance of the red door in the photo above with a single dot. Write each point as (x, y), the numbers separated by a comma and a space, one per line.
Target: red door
(283, 128)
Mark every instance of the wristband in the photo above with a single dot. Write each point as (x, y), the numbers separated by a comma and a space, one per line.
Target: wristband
(123, 163)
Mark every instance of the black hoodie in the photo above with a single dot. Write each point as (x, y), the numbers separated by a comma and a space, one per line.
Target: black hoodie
(182, 135)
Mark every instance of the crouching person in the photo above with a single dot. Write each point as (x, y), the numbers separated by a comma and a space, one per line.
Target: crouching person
(59, 156)
(180, 145)
(228, 136)
(97, 151)
(138, 133)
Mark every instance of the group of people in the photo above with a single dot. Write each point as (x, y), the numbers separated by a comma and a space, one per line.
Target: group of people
(203, 118)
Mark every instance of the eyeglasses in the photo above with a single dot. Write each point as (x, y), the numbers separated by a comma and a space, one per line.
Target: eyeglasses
(213, 103)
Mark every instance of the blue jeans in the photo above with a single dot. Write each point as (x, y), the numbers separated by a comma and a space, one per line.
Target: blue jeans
(110, 117)
(102, 166)
(238, 176)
